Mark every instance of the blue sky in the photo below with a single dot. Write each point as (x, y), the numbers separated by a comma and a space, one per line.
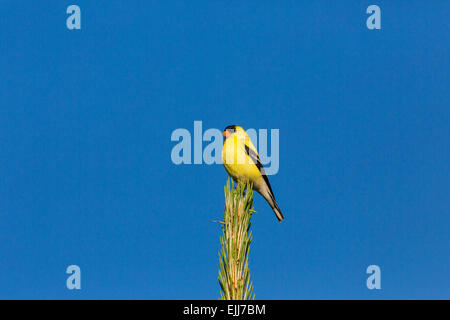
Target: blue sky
(86, 176)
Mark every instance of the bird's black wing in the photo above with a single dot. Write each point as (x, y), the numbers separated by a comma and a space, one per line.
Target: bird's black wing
(255, 158)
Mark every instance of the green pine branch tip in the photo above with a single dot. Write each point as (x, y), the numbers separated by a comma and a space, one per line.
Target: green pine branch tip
(234, 273)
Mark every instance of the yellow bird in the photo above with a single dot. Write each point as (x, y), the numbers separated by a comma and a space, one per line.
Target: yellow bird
(241, 160)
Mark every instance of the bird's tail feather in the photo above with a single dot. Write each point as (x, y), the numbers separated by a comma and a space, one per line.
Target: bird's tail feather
(268, 195)
(277, 211)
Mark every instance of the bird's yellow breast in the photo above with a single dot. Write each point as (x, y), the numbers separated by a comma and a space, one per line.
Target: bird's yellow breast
(236, 161)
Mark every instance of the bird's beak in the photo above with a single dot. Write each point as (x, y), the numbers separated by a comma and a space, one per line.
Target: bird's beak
(225, 133)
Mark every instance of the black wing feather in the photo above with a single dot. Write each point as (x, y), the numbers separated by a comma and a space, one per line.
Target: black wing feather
(255, 158)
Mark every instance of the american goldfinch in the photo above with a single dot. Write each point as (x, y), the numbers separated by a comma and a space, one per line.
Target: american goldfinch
(241, 161)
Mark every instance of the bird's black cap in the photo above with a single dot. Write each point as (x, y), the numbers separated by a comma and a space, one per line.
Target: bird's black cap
(231, 128)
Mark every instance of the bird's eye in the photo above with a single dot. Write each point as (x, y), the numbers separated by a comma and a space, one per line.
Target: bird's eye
(230, 129)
